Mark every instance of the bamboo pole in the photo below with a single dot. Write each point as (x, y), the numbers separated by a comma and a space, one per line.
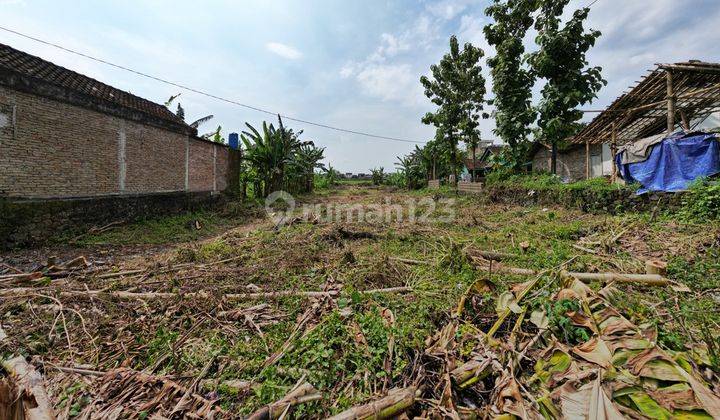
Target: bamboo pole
(587, 159)
(646, 279)
(670, 102)
(613, 151)
(684, 120)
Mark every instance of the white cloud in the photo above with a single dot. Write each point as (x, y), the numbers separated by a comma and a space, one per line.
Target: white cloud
(387, 73)
(390, 46)
(283, 50)
(391, 82)
(347, 70)
(448, 9)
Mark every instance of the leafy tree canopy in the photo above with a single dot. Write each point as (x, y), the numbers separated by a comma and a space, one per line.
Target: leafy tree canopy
(561, 61)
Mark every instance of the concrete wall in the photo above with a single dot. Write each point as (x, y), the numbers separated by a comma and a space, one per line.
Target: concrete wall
(52, 149)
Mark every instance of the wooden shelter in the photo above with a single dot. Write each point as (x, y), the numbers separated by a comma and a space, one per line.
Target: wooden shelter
(669, 95)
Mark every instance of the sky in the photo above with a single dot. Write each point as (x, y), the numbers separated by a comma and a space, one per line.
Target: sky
(351, 64)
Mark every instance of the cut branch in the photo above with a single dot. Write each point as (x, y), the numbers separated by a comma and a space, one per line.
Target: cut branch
(302, 394)
(397, 401)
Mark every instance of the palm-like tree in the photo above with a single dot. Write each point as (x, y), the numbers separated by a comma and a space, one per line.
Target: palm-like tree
(306, 159)
(270, 152)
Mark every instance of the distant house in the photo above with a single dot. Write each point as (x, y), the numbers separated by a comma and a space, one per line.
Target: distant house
(571, 162)
(483, 153)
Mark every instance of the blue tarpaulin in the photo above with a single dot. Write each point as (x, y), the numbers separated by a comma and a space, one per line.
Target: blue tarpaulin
(674, 163)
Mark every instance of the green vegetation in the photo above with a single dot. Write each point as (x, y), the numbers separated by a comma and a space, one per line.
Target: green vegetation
(378, 175)
(457, 88)
(512, 81)
(344, 350)
(277, 160)
(561, 62)
(702, 201)
(159, 230)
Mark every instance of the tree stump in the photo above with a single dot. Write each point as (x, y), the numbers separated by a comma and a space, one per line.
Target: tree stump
(656, 267)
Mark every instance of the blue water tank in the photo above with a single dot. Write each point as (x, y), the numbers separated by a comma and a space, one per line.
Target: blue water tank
(234, 140)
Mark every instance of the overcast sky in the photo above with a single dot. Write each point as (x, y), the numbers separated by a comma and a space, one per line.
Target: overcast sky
(353, 64)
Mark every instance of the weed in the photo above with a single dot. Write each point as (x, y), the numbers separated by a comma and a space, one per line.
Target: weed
(702, 201)
(562, 324)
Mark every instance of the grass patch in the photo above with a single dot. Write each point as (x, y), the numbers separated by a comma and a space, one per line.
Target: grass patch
(160, 230)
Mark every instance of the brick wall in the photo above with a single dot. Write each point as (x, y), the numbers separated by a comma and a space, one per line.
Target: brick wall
(570, 164)
(50, 149)
(470, 187)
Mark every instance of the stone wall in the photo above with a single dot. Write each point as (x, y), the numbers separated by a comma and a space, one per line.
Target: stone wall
(611, 200)
(470, 187)
(34, 222)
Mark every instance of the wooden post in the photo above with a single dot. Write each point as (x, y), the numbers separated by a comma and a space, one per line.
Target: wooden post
(613, 151)
(587, 159)
(685, 121)
(670, 102)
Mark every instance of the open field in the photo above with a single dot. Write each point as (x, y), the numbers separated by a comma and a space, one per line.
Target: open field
(359, 304)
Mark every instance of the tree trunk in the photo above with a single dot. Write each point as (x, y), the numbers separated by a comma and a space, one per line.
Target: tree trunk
(553, 159)
(454, 163)
(474, 165)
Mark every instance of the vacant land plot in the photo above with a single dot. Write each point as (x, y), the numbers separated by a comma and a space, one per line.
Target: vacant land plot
(337, 312)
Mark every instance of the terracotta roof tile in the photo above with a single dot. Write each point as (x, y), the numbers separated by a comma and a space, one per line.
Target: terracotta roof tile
(35, 67)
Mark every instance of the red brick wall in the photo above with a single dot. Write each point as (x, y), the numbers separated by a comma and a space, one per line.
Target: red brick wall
(55, 150)
(155, 159)
(222, 166)
(201, 166)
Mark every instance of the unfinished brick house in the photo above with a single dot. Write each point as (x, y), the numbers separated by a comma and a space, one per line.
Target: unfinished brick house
(81, 149)
(571, 162)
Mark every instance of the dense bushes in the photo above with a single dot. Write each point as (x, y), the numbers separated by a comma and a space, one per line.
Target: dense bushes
(702, 201)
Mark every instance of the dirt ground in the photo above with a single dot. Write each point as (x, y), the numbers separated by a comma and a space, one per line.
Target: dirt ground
(199, 329)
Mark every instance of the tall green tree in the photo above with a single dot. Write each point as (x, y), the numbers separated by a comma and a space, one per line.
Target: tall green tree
(458, 89)
(561, 61)
(512, 81)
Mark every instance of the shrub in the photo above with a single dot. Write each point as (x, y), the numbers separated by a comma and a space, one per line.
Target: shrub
(702, 201)
(378, 175)
(396, 179)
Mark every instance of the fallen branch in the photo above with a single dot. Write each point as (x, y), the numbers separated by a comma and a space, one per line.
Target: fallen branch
(19, 291)
(645, 279)
(35, 401)
(409, 261)
(301, 394)
(491, 255)
(21, 276)
(396, 402)
(468, 374)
